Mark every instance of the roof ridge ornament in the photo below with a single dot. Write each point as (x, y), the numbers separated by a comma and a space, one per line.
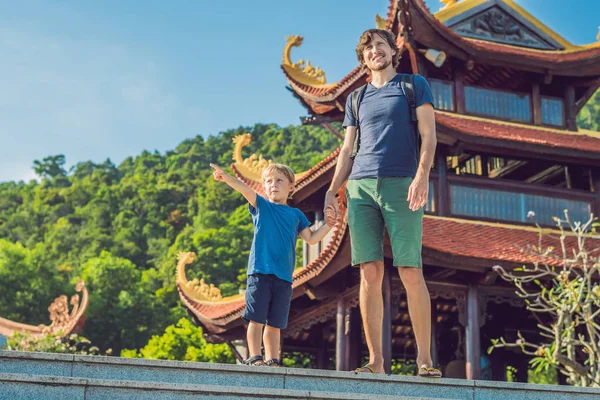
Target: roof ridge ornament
(380, 21)
(312, 75)
(63, 319)
(448, 3)
(253, 166)
(202, 290)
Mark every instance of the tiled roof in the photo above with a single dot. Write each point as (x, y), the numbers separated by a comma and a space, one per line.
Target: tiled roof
(490, 243)
(550, 59)
(483, 127)
(494, 242)
(550, 56)
(329, 162)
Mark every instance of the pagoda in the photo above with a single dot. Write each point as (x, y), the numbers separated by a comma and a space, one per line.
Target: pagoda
(507, 90)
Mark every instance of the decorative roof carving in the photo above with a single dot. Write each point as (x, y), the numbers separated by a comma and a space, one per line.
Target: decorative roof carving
(63, 319)
(197, 290)
(380, 21)
(302, 71)
(497, 22)
(253, 166)
(448, 3)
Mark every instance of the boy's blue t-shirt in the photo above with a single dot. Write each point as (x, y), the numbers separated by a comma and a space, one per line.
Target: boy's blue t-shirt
(276, 229)
(388, 145)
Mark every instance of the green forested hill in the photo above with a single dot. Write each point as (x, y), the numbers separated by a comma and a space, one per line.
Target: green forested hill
(120, 229)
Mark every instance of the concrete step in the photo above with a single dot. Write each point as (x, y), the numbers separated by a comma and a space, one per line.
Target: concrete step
(257, 379)
(25, 387)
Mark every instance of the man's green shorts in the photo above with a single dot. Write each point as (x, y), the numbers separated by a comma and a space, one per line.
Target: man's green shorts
(378, 203)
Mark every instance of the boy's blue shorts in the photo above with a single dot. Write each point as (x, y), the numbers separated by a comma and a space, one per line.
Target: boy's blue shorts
(268, 300)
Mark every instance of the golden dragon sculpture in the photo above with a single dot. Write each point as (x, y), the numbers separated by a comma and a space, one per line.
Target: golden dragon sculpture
(198, 290)
(302, 71)
(253, 166)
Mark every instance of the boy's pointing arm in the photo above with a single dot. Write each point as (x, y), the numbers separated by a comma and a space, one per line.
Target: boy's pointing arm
(235, 183)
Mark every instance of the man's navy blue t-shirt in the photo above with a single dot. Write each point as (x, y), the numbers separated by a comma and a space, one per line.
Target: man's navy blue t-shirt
(387, 135)
(276, 229)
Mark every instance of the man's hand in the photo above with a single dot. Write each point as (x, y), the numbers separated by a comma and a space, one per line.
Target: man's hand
(330, 216)
(218, 173)
(331, 209)
(418, 192)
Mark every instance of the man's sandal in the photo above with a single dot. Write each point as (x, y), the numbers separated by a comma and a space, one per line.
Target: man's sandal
(274, 362)
(365, 368)
(257, 361)
(429, 372)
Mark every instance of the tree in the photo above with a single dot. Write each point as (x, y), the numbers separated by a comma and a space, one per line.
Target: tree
(28, 283)
(123, 311)
(183, 342)
(563, 285)
(589, 116)
(50, 167)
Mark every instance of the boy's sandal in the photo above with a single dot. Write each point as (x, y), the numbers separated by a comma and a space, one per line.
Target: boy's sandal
(430, 372)
(365, 368)
(274, 362)
(255, 360)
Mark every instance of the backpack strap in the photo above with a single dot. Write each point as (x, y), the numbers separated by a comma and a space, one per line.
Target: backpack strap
(357, 96)
(407, 83)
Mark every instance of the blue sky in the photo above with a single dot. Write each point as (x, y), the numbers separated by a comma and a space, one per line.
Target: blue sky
(108, 79)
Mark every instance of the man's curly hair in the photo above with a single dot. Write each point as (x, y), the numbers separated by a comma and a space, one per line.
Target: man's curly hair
(367, 37)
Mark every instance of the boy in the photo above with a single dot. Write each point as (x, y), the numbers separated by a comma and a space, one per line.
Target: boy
(272, 258)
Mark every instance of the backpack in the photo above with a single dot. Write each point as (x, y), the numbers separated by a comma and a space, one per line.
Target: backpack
(407, 83)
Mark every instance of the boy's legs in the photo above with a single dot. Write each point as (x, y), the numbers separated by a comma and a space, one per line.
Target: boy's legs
(254, 337)
(258, 297)
(277, 319)
(271, 338)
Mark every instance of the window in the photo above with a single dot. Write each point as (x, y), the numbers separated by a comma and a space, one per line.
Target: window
(498, 104)
(552, 111)
(443, 98)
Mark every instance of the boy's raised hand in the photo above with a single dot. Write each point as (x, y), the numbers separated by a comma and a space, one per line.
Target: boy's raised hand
(218, 173)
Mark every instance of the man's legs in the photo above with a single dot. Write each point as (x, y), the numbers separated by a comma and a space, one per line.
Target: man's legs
(371, 308)
(271, 338)
(419, 308)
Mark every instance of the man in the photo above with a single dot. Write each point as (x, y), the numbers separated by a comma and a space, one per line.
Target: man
(388, 184)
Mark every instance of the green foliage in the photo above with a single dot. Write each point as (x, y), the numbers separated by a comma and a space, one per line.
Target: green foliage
(298, 360)
(183, 342)
(27, 283)
(404, 367)
(120, 228)
(73, 344)
(589, 116)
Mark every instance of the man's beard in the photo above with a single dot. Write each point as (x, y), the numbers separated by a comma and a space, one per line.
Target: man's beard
(381, 67)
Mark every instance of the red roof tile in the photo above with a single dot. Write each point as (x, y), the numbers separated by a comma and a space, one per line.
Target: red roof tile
(488, 242)
(483, 127)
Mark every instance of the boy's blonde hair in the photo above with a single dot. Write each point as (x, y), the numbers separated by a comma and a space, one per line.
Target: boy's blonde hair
(282, 169)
